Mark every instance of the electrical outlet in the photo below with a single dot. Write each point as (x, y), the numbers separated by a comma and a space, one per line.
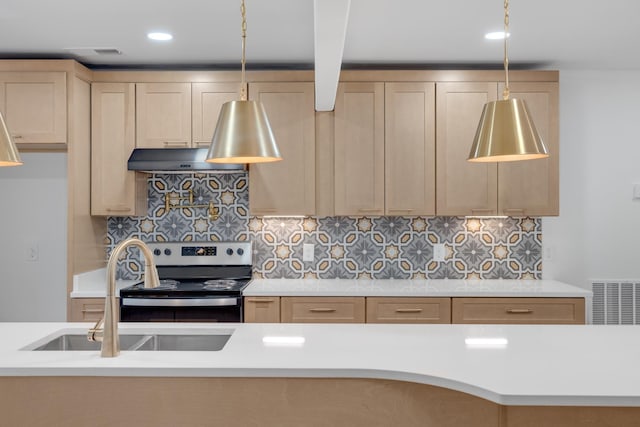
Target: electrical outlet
(438, 252)
(308, 250)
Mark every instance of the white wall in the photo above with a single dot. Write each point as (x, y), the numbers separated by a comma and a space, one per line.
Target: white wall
(33, 212)
(597, 235)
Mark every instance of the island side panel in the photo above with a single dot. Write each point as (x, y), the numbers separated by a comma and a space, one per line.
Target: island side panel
(265, 402)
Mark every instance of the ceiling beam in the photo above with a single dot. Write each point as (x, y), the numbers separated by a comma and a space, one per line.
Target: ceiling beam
(330, 30)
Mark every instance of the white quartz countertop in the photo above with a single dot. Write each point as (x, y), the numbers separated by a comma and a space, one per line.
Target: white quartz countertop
(529, 364)
(93, 285)
(413, 288)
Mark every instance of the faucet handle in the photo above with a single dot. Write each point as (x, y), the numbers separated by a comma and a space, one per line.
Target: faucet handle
(97, 332)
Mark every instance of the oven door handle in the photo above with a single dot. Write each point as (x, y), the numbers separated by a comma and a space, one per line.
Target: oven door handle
(180, 302)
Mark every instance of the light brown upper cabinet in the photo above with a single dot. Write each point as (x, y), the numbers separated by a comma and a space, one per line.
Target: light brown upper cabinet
(463, 188)
(385, 149)
(206, 102)
(115, 191)
(34, 104)
(530, 188)
(163, 115)
(359, 149)
(409, 162)
(525, 188)
(286, 187)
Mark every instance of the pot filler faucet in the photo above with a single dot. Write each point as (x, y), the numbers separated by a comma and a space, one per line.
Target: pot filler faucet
(108, 334)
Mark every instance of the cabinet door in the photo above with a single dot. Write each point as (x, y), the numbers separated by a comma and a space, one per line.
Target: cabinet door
(322, 310)
(463, 188)
(359, 149)
(286, 187)
(262, 310)
(34, 105)
(408, 310)
(206, 101)
(86, 309)
(530, 188)
(163, 115)
(518, 310)
(410, 167)
(114, 189)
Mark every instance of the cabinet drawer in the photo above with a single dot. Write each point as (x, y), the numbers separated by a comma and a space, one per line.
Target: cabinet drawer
(518, 310)
(322, 310)
(87, 309)
(408, 310)
(262, 309)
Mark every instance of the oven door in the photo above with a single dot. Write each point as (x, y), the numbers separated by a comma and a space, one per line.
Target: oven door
(218, 309)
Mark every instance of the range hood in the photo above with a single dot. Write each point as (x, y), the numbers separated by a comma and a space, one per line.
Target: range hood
(177, 160)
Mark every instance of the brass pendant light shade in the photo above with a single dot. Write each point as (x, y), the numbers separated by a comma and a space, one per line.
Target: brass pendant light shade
(243, 135)
(506, 133)
(9, 155)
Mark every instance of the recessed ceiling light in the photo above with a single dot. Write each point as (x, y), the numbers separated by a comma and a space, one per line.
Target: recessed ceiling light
(496, 35)
(160, 36)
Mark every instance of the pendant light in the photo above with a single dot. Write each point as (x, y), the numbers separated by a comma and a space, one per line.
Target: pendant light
(243, 133)
(506, 131)
(9, 155)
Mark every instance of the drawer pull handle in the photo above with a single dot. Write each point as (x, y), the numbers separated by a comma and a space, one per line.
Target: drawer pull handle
(482, 212)
(519, 310)
(93, 310)
(16, 136)
(202, 144)
(408, 310)
(259, 300)
(514, 212)
(322, 310)
(118, 209)
(368, 210)
(176, 143)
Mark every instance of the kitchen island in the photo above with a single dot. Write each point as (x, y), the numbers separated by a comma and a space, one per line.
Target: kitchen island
(323, 374)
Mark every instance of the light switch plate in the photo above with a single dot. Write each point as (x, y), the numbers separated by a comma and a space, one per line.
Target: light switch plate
(308, 251)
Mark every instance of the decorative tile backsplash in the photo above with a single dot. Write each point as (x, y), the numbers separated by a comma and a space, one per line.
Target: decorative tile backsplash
(344, 247)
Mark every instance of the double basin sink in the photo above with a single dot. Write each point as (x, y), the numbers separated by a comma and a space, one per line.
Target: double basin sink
(131, 340)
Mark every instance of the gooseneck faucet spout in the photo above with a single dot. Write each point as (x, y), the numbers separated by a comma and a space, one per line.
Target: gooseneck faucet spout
(108, 333)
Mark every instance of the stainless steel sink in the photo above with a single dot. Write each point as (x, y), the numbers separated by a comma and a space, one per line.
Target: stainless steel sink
(169, 340)
(183, 343)
(77, 342)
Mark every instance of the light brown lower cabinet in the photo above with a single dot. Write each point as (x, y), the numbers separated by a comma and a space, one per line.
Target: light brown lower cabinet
(86, 309)
(322, 310)
(518, 310)
(408, 310)
(478, 310)
(262, 309)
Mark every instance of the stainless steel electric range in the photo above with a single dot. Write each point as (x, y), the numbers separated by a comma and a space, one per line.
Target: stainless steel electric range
(199, 282)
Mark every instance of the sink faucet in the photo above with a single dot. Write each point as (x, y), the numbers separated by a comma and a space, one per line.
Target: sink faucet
(108, 334)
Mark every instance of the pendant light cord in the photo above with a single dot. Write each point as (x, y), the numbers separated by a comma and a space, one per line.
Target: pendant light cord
(243, 87)
(505, 92)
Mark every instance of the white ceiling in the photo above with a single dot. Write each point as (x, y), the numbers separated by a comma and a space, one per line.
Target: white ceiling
(545, 33)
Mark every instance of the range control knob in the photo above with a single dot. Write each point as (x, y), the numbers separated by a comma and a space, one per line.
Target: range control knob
(156, 252)
(240, 251)
(229, 251)
(167, 252)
